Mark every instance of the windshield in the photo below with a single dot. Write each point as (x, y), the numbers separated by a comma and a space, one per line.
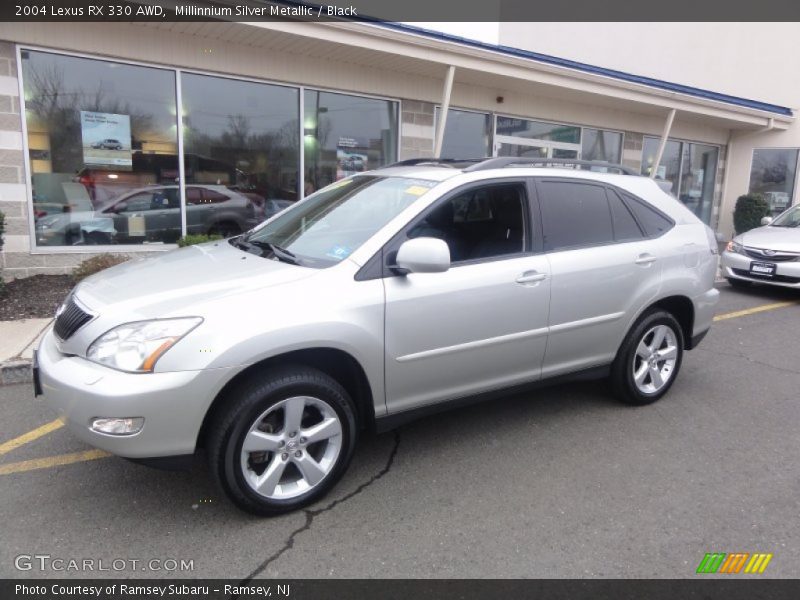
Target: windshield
(791, 218)
(331, 224)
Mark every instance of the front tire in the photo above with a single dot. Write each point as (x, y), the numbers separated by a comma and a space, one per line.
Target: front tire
(283, 441)
(649, 359)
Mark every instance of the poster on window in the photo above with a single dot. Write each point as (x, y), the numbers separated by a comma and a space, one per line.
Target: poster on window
(350, 163)
(106, 139)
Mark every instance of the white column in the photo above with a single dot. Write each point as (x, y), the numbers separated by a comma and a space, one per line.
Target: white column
(663, 144)
(448, 88)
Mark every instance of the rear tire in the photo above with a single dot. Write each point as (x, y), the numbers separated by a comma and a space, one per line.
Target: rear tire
(283, 440)
(649, 359)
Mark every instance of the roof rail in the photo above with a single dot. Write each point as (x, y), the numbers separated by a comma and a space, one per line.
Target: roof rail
(453, 163)
(503, 162)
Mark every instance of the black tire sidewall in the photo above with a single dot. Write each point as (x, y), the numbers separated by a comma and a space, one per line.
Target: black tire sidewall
(253, 401)
(622, 372)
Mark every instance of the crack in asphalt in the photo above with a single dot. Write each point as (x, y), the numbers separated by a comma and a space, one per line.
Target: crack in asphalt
(311, 514)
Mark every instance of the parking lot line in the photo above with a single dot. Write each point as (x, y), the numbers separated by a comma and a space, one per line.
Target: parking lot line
(752, 311)
(52, 461)
(10, 445)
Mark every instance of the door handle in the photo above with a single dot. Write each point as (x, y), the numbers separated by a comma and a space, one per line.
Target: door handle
(645, 259)
(531, 277)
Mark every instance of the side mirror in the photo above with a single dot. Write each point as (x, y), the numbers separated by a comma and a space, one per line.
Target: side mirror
(423, 255)
(766, 220)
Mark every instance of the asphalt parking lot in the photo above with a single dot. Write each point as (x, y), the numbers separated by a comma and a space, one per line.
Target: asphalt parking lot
(561, 483)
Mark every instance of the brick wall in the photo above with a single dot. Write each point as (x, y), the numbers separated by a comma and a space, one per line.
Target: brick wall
(416, 129)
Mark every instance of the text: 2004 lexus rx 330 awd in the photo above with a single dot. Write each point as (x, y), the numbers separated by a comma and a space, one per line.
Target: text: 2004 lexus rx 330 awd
(381, 297)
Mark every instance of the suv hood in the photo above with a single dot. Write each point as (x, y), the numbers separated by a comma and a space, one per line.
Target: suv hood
(155, 287)
(784, 239)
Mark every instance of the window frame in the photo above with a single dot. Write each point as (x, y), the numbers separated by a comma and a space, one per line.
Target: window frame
(378, 266)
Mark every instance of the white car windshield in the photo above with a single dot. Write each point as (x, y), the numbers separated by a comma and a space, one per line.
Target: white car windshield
(791, 218)
(331, 224)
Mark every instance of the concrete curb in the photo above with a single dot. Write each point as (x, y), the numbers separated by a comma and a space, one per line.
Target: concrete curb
(16, 371)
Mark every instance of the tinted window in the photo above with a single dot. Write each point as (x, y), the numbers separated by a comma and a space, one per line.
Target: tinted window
(625, 227)
(574, 214)
(653, 222)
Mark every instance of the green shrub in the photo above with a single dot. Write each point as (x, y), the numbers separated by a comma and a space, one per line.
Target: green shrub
(191, 240)
(749, 211)
(93, 265)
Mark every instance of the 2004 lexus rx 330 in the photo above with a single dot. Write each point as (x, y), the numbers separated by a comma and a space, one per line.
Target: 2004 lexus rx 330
(383, 296)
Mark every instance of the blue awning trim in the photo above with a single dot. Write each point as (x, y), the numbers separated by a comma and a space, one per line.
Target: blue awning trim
(586, 68)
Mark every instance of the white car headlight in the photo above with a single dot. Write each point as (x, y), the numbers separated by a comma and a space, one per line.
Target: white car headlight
(136, 347)
(734, 246)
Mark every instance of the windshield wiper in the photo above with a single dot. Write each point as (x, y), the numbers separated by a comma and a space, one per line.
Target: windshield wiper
(280, 253)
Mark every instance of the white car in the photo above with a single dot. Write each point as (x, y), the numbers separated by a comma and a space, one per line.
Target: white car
(769, 254)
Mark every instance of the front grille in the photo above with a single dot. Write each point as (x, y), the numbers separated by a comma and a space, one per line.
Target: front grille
(778, 257)
(778, 278)
(71, 319)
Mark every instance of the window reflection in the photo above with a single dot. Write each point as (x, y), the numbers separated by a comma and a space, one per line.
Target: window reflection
(538, 130)
(345, 135)
(601, 145)
(97, 130)
(241, 142)
(698, 172)
(466, 134)
(772, 175)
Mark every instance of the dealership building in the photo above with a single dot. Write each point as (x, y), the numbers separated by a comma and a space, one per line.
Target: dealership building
(118, 137)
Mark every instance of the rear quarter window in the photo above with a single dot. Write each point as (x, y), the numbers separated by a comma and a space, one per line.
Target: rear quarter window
(651, 220)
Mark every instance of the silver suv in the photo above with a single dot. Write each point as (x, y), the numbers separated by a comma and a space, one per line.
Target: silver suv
(384, 296)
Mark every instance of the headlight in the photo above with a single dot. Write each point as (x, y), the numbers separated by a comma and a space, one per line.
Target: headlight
(734, 247)
(136, 347)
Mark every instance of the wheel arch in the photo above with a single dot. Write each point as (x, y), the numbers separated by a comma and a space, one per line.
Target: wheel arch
(680, 307)
(334, 362)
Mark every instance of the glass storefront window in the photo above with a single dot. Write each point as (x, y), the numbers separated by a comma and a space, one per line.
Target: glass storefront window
(538, 130)
(241, 151)
(670, 166)
(772, 175)
(698, 173)
(467, 134)
(102, 138)
(601, 145)
(690, 168)
(345, 135)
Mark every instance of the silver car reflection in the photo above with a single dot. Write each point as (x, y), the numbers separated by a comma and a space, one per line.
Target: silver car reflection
(152, 214)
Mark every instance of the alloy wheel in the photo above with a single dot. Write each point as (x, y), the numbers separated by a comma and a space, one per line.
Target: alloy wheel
(654, 360)
(291, 447)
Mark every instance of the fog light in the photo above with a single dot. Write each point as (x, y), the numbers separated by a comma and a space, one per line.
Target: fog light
(127, 426)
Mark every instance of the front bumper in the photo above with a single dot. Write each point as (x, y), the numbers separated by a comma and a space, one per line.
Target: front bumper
(737, 266)
(173, 404)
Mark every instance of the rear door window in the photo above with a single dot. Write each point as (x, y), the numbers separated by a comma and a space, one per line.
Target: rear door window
(574, 214)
